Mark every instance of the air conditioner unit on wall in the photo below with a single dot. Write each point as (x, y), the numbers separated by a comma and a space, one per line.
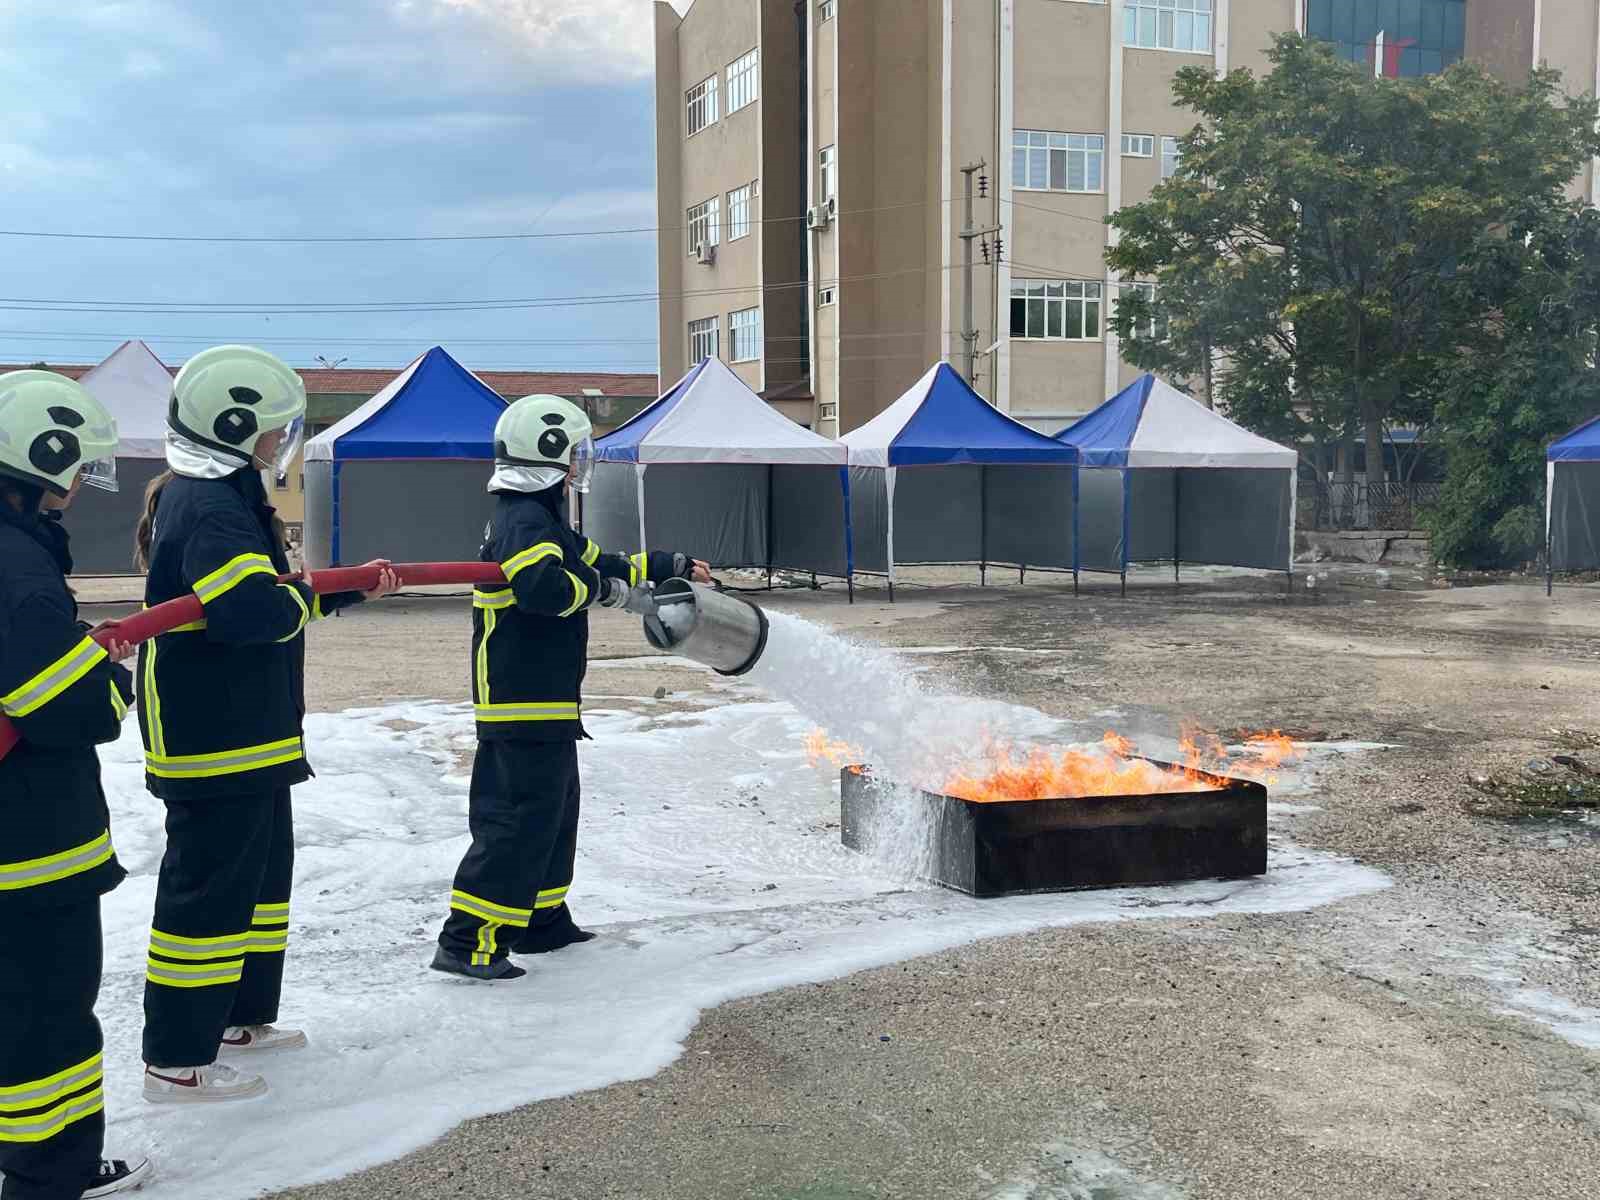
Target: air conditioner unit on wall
(819, 217)
(705, 253)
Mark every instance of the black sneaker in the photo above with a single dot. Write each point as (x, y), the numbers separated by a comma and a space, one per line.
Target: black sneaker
(118, 1175)
(494, 972)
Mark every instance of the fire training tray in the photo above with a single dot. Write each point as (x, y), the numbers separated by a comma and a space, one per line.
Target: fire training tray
(1014, 847)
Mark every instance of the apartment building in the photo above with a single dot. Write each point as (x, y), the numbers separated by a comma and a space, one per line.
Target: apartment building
(810, 160)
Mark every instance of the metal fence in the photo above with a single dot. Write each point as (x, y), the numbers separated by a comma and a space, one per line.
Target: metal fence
(1340, 506)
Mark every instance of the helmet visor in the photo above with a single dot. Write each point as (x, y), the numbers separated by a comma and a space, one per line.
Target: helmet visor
(582, 465)
(294, 437)
(100, 473)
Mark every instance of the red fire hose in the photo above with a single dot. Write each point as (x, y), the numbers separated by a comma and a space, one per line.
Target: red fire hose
(147, 623)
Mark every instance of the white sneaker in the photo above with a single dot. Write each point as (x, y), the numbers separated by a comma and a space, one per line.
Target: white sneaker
(253, 1039)
(119, 1175)
(200, 1085)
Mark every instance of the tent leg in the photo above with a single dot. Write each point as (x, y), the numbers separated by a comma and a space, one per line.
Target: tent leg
(1289, 575)
(1022, 575)
(850, 584)
(983, 574)
(1124, 581)
(1074, 581)
(891, 591)
(1175, 579)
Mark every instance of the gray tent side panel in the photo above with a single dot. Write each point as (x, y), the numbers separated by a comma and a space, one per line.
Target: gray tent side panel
(1234, 516)
(1575, 517)
(1100, 518)
(611, 509)
(1152, 529)
(938, 514)
(316, 545)
(412, 510)
(714, 511)
(102, 524)
(808, 519)
(869, 518)
(1028, 516)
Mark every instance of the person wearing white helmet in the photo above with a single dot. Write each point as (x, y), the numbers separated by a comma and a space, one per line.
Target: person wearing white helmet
(529, 653)
(64, 695)
(221, 710)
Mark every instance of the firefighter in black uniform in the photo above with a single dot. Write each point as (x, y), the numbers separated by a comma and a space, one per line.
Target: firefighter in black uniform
(221, 705)
(529, 652)
(64, 695)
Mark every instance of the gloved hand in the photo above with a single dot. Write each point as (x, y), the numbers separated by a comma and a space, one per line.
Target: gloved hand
(639, 600)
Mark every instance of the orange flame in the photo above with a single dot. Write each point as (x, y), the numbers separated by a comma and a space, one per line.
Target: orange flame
(822, 749)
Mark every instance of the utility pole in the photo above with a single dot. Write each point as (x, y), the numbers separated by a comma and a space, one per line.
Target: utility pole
(969, 332)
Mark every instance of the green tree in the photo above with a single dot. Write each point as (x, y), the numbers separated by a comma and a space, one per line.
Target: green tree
(1316, 233)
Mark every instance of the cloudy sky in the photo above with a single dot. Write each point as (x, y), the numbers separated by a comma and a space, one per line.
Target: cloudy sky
(305, 118)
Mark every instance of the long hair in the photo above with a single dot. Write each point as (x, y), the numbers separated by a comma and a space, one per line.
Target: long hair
(143, 535)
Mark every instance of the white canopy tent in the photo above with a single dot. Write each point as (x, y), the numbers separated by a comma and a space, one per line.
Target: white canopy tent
(137, 387)
(713, 470)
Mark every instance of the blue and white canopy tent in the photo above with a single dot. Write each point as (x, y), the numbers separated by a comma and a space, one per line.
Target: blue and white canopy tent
(942, 477)
(1161, 477)
(1572, 502)
(406, 475)
(713, 470)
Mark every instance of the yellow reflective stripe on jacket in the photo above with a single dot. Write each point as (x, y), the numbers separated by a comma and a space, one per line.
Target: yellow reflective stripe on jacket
(53, 680)
(488, 910)
(316, 607)
(638, 568)
(36, 1093)
(501, 598)
(551, 898)
(526, 558)
(580, 594)
(530, 711)
(191, 627)
(152, 704)
(119, 706)
(305, 612)
(227, 762)
(32, 872)
(193, 975)
(591, 552)
(231, 574)
(172, 945)
(491, 617)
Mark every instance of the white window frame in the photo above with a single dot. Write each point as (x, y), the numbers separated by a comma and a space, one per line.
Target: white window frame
(1151, 330)
(1138, 145)
(703, 222)
(824, 11)
(827, 174)
(707, 332)
(1036, 155)
(826, 296)
(1171, 156)
(1181, 26)
(1058, 301)
(739, 202)
(745, 322)
(703, 96)
(744, 81)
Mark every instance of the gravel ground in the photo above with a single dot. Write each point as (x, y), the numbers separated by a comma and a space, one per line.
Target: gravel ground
(1383, 1047)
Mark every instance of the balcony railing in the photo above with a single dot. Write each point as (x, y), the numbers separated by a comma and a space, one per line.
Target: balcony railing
(1341, 506)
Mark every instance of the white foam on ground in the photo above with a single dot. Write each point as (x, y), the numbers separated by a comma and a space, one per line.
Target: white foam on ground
(1574, 1022)
(709, 861)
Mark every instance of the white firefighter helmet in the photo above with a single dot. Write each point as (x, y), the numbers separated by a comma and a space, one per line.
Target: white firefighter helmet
(546, 431)
(51, 428)
(228, 398)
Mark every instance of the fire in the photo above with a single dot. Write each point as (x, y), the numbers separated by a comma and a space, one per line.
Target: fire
(1003, 771)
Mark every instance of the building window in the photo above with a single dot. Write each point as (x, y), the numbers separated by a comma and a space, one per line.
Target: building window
(1168, 25)
(1155, 329)
(827, 174)
(1059, 309)
(702, 99)
(1057, 162)
(739, 212)
(1169, 157)
(742, 85)
(1138, 145)
(826, 296)
(1421, 37)
(825, 11)
(702, 339)
(744, 335)
(704, 220)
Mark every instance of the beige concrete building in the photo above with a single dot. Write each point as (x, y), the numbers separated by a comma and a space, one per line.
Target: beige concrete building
(834, 287)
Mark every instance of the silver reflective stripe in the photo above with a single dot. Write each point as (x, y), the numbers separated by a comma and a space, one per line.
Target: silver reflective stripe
(215, 762)
(29, 1129)
(175, 947)
(51, 1089)
(54, 679)
(56, 866)
(220, 580)
(527, 712)
(224, 972)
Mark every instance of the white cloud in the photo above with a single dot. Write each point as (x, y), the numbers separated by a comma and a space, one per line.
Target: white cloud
(610, 208)
(580, 40)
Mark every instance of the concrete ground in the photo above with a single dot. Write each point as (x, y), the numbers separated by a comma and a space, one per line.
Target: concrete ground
(1419, 1041)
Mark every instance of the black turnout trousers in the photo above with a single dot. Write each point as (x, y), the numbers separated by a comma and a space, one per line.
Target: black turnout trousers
(52, 1119)
(523, 814)
(221, 924)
